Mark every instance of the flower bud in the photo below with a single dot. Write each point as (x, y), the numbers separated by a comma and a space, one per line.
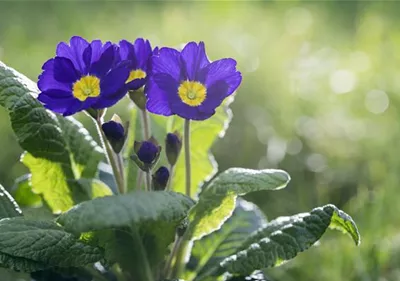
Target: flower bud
(173, 146)
(160, 178)
(115, 133)
(146, 154)
(138, 97)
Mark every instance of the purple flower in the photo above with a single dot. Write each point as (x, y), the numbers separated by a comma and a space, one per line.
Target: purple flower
(82, 75)
(187, 84)
(138, 54)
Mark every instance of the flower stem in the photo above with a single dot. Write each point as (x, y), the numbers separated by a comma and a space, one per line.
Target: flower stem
(148, 180)
(180, 254)
(146, 136)
(111, 158)
(167, 268)
(145, 124)
(171, 176)
(186, 140)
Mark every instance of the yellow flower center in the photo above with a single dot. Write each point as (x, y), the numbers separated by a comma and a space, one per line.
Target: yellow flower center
(87, 86)
(192, 93)
(136, 74)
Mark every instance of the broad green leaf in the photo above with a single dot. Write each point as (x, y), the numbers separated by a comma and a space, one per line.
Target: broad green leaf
(94, 188)
(8, 207)
(59, 149)
(26, 244)
(283, 238)
(154, 214)
(217, 202)
(22, 192)
(211, 249)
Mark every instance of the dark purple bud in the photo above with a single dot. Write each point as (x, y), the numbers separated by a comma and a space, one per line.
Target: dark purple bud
(115, 134)
(148, 152)
(173, 146)
(113, 130)
(160, 178)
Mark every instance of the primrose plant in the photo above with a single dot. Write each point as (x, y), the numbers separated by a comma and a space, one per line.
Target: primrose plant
(134, 208)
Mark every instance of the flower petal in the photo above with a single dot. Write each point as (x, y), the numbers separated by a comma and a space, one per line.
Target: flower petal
(114, 80)
(190, 112)
(142, 53)
(103, 65)
(158, 90)
(224, 69)
(215, 96)
(126, 50)
(167, 61)
(74, 52)
(64, 70)
(136, 84)
(194, 58)
(47, 80)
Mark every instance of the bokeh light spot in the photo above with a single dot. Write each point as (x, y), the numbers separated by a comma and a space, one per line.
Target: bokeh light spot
(343, 81)
(376, 101)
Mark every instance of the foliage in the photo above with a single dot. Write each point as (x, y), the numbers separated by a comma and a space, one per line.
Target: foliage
(140, 235)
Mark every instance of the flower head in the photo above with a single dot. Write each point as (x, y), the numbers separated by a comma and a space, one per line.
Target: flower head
(187, 84)
(138, 55)
(173, 146)
(82, 75)
(160, 178)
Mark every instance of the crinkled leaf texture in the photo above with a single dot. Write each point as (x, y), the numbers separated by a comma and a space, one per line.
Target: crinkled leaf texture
(203, 135)
(282, 239)
(154, 214)
(59, 150)
(217, 202)
(8, 207)
(27, 245)
(211, 249)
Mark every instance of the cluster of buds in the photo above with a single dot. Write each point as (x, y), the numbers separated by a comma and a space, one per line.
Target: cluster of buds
(147, 152)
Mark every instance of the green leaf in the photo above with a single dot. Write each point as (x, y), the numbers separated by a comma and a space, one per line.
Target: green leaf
(95, 188)
(22, 192)
(8, 207)
(283, 238)
(59, 149)
(154, 214)
(35, 245)
(217, 201)
(211, 249)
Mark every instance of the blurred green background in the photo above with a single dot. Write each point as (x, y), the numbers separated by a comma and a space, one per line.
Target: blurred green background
(320, 98)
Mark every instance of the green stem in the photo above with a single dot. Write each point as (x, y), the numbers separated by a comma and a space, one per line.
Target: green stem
(180, 257)
(120, 163)
(186, 140)
(146, 136)
(171, 176)
(139, 179)
(145, 124)
(111, 158)
(167, 268)
(148, 181)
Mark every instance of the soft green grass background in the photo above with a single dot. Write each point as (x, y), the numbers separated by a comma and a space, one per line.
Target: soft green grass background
(320, 98)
